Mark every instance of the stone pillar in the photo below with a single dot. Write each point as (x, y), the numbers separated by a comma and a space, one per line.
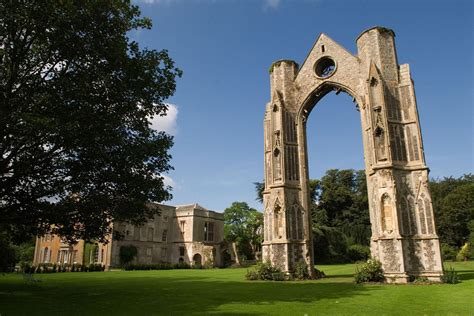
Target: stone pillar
(403, 229)
(287, 226)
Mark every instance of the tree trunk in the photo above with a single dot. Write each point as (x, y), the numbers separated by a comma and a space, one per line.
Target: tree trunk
(236, 253)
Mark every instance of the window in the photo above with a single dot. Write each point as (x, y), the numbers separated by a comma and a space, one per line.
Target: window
(182, 224)
(149, 251)
(74, 256)
(325, 67)
(163, 254)
(96, 254)
(150, 234)
(136, 233)
(45, 254)
(208, 231)
(164, 237)
(182, 250)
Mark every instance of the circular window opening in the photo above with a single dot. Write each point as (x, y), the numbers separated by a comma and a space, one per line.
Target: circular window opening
(325, 67)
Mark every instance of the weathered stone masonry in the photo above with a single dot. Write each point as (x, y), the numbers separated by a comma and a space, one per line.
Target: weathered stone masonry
(403, 228)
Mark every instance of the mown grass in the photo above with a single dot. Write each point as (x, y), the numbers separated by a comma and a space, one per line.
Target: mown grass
(225, 291)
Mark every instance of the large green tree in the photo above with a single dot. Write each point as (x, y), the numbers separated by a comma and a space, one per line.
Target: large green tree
(453, 204)
(76, 96)
(243, 226)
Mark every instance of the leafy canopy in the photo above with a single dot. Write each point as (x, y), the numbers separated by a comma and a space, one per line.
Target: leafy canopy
(76, 96)
(244, 226)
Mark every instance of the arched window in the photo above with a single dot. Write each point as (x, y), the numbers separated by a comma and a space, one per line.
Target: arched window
(421, 214)
(429, 216)
(405, 212)
(412, 213)
(387, 214)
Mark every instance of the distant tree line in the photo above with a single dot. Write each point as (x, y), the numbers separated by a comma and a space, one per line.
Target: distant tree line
(453, 204)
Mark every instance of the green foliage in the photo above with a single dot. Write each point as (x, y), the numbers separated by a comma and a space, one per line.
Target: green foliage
(371, 271)
(24, 252)
(56, 268)
(340, 216)
(77, 94)
(243, 225)
(127, 254)
(301, 270)
(465, 253)
(157, 266)
(450, 276)
(89, 251)
(453, 204)
(259, 187)
(358, 253)
(264, 271)
(330, 245)
(8, 255)
(448, 252)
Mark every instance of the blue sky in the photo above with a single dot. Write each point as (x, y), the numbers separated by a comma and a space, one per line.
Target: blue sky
(225, 48)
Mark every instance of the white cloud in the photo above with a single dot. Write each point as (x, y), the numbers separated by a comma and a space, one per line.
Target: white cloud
(167, 123)
(271, 4)
(167, 180)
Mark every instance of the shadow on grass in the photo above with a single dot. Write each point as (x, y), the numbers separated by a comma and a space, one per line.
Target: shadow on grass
(466, 274)
(148, 293)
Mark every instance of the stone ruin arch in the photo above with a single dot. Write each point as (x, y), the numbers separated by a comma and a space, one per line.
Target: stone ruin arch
(403, 238)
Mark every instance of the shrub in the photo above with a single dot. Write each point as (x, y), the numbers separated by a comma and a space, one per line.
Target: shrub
(127, 254)
(371, 271)
(252, 275)
(318, 274)
(448, 252)
(96, 267)
(358, 253)
(450, 276)
(156, 266)
(182, 265)
(263, 271)
(278, 276)
(301, 270)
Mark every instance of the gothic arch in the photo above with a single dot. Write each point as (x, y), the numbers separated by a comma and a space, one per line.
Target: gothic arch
(384, 94)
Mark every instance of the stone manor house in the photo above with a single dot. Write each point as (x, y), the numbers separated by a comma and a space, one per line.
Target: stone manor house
(179, 234)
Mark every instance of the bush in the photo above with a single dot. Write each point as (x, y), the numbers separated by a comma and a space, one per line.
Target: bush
(278, 276)
(127, 254)
(448, 252)
(358, 253)
(301, 270)
(156, 266)
(371, 271)
(182, 265)
(263, 271)
(318, 274)
(53, 268)
(450, 276)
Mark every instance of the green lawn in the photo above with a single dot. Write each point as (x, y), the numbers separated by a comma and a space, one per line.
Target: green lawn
(225, 291)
